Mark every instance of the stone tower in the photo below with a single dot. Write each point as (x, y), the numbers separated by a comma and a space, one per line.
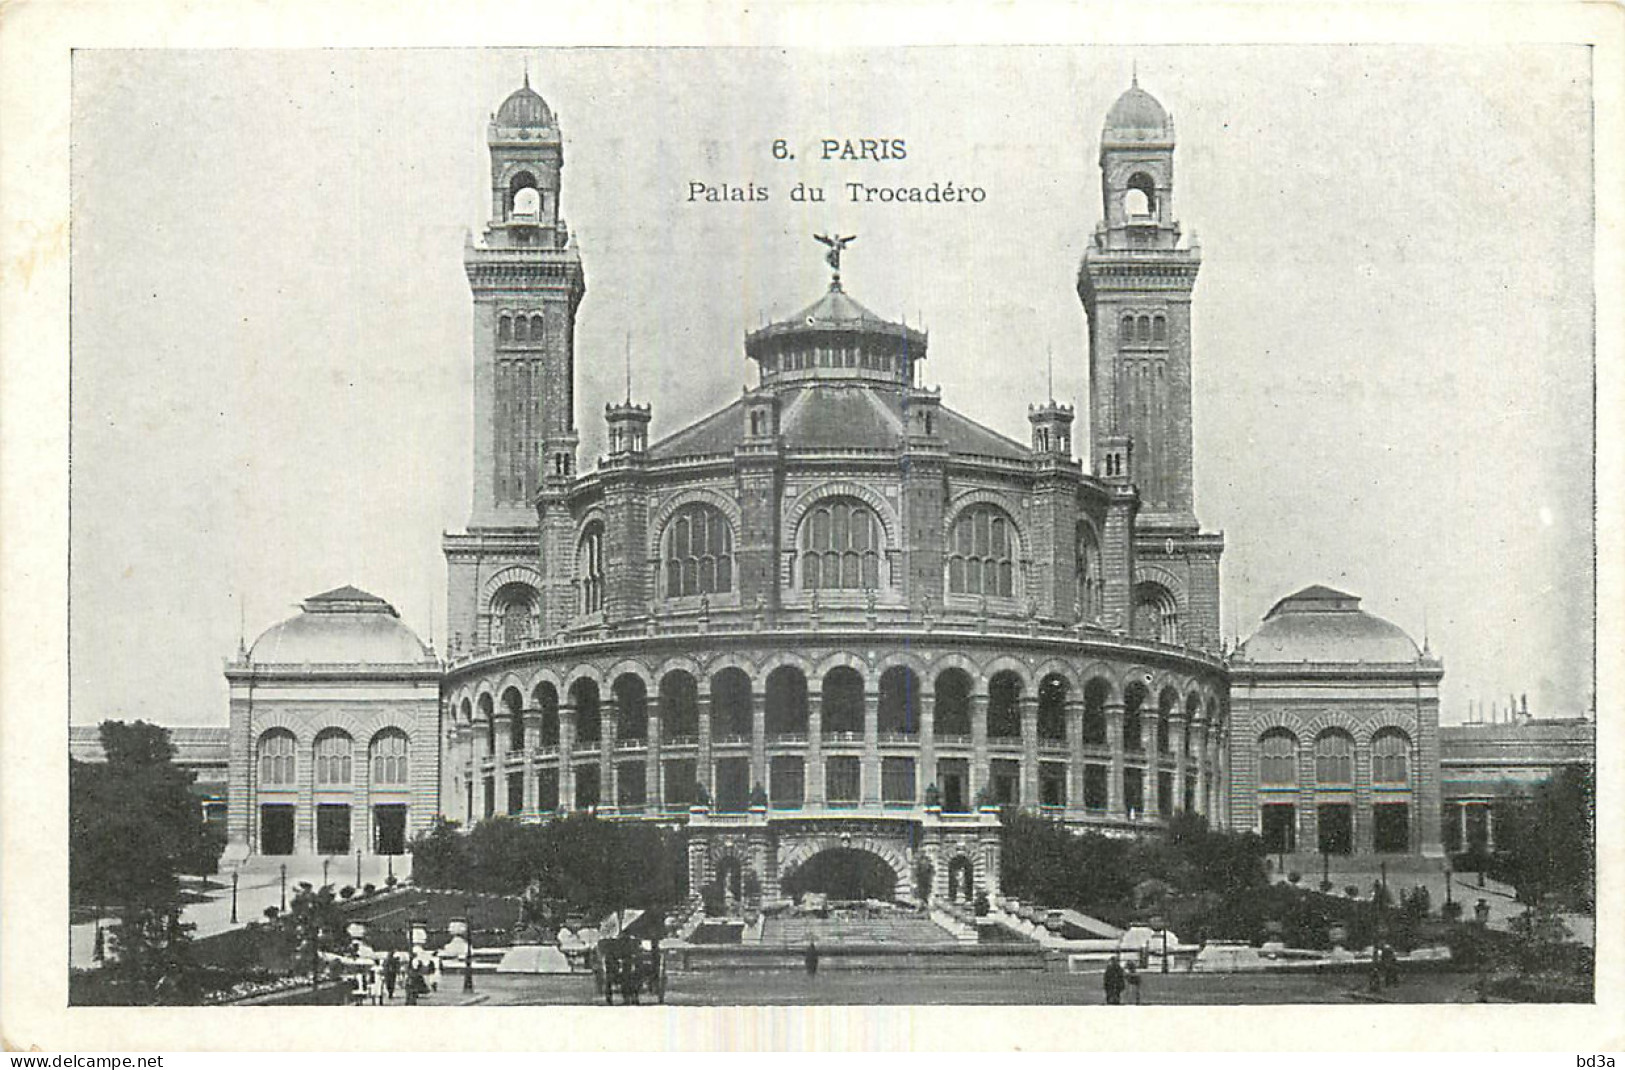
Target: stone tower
(1136, 283)
(527, 282)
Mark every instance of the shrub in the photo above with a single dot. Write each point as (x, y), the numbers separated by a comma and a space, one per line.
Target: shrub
(1326, 886)
(1352, 891)
(1450, 911)
(347, 892)
(369, 888)
(1294, 876)
(391, 881)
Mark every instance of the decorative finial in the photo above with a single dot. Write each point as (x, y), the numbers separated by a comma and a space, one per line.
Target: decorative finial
(1134, 73)
(1425, 648)
(833, 257)
(629, 366)
(527, 73)
(242, 630)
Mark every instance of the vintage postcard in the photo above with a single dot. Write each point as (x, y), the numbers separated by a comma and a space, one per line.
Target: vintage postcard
(1001, 528)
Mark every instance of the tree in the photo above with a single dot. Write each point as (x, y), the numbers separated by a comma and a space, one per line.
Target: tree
(1549, 841)
(316, 925)
(134, 823)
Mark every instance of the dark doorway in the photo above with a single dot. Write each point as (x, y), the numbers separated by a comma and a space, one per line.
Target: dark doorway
(730, 877)
(1392, 827)
(1337, 829)
(733, 785)
(953, 775)
(389, 829)
(843, 873)
(276, 829)
(961, 878)
(332, 829)
(1279, 826)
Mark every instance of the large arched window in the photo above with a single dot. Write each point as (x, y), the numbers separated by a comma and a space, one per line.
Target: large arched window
(1334, 758)
(333, 747)
(389, 758)
(1089, 572)
(1277, 758)
(1156, 613)
(277, 750)
(981, 553)
(699, 552)
(590, 567)
(840, 546)
(514, 606)
(1390, 757)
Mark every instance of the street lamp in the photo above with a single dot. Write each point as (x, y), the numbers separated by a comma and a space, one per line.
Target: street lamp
(234, 897)
(468, 957)
(358, 869)
(284, 887)
(325, 861)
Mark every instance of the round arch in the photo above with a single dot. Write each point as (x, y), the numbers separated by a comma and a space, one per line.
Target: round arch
(727, 506)
(795, 854)
(841, 489)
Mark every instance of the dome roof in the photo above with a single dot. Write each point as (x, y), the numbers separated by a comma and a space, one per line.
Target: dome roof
(1322, 624)
(1137, 113)
(525, 107)
(342, 626)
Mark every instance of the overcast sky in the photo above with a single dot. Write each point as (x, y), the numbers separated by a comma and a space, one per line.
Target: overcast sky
(271, 325)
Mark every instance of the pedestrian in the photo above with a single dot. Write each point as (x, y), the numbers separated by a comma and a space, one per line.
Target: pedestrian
(392, 969)
(1114, 981)
(377, 987)
(413, 980)
(358, 986)
(1134, 982)
(434, 974)
(812, 958)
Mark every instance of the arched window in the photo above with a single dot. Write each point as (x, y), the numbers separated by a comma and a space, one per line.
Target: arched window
(699, 552)
(389, 757)
(1126, 334)
(1334, 758)
(1277, 758)
(517, 185)
(1390, 757)
(840, 546)
(520, 333)
(1089, 572)
(536, 331)
(981, 553)
(527, 203)
(1140, 199)
(514, 605)
(505, 328)
(1143, 330)
(590, 567)
(277, 749)
(1156, 613)
(333, 748)
(1159, 328)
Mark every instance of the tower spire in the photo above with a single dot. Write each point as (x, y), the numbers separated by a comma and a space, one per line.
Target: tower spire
(629, 366)
(1050, 357)
(527, 72)
(1134, 73)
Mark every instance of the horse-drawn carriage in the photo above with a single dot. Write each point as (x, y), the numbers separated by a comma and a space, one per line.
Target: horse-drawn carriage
(630, 967)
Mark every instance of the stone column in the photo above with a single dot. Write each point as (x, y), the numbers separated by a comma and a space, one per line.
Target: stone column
(532, 719)
(1028, 706)
(1152, 780)
(1176, 740)
(814, 773)
(1461, 824)
(501, 736)
(609, 730)
(928, 744)
(758, 739)
(702, 767)
(1221, 762)
(1114, 779)
(360, 792)
(1489, 826)
(304, 829)
(654, 795)
(869, 789)
(1365, 817)
(1200, 749)
(1074, 756)
(979, 769)
(1308, 819)
(567, 765)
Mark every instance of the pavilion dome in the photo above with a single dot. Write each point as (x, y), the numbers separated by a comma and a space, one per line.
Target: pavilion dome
(1137, 114)
(342, 626)
(524, 107)
(1319, 624)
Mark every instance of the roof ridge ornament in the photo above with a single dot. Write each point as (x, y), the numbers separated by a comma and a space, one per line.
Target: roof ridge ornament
(833, 257)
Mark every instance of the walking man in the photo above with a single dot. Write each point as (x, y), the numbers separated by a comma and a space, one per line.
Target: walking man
(392, 968)
(1114, 982)
(812, 958)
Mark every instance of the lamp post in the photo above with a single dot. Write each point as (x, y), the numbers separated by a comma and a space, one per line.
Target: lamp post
(284, 908)
(1159, 925)
(468, 957)
(234, 897)
(325, 861)
(358, 869)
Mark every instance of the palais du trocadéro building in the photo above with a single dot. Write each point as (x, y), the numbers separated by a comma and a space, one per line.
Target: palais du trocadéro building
(836, 613)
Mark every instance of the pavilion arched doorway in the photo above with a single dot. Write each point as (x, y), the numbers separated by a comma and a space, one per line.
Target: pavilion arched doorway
(843, 873)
